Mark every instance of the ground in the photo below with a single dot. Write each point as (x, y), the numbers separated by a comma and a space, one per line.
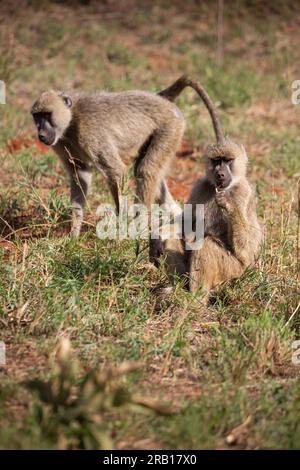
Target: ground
(225, 369)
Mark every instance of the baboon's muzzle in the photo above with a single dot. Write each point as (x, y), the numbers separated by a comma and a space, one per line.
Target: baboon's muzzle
(47, 138)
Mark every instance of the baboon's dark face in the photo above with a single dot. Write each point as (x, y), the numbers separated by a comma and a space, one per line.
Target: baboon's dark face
(221, 172)
(45, 128)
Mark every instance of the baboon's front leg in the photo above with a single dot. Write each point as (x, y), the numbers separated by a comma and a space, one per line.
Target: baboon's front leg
(109, 162)
(80, 174)
(80, 182)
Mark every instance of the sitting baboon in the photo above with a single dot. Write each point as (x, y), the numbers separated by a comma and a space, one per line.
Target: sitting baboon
(232, 233)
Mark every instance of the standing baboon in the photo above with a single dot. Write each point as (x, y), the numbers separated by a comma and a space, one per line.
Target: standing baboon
(232, 234)
(103, 129)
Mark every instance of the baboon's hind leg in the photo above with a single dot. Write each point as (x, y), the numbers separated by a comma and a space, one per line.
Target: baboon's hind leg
(164, 197)
(152, 163)
(211, 265)
(114, 186)
(175, 259)
(149, 170)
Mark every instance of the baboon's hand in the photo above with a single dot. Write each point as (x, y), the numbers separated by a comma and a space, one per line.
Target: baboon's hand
(224, 200)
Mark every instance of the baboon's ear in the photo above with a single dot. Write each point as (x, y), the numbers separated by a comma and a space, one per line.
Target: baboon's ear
(67, 100)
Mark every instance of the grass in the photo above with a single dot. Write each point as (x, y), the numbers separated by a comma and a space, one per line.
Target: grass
(226, 368)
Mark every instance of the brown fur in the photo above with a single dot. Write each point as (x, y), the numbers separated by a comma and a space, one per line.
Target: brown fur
(103, 129)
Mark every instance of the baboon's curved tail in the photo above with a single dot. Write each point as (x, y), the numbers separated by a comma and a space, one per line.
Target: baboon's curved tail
(184, 81)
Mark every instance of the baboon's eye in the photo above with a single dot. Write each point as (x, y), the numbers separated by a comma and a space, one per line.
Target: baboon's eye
(46, 117)
(40, 117)
(67, 100)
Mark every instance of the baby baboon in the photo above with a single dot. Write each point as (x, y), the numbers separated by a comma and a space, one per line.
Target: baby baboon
(103, 129)
(232, 234)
